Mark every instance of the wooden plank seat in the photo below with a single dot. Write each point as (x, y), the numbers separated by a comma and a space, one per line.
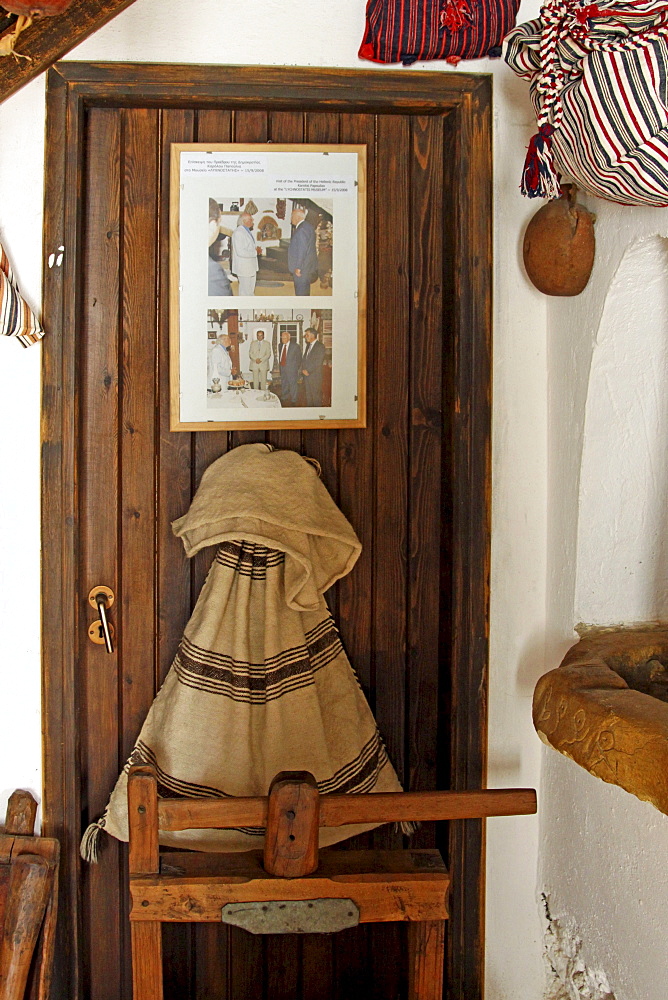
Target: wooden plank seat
(385, 885)
(409, 885)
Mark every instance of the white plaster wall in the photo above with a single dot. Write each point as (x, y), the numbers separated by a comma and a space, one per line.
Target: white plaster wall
(603, 874)
(21, 184)
(573, 326)
(599, 846)
(622, 571)
(323, 34)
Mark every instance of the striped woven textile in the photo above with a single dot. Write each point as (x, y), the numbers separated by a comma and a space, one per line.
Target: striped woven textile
(410, 30)
(260, 682)
(598, 81)
(16, 317)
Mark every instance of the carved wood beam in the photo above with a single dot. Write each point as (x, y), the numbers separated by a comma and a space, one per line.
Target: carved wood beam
(50, 38)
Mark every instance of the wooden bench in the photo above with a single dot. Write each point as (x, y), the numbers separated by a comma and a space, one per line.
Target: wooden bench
(292, 886)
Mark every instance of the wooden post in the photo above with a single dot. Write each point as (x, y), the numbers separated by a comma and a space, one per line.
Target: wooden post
(21, 813)
(143, 820)
(29, 883)
(426, 954)
(144, 860)
(146, 960)
(293, 820)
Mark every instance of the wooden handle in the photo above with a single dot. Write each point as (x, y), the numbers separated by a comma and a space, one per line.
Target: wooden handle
(420, 807)
(291, 838)
(339, 810)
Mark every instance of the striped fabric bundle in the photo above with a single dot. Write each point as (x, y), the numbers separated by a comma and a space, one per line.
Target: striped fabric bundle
(407, 30)
(599, 81)
(260, 682)
(16, 317)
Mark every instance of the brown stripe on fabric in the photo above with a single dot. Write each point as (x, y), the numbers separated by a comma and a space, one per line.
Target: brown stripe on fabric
(257, 691)
(248, 559)
(360, 774)
(143, 754)
(170, 787)
(357, 776)
(318, 640)
(258, 682)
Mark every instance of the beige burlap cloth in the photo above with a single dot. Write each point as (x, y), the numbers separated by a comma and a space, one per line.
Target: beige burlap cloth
(260, 682)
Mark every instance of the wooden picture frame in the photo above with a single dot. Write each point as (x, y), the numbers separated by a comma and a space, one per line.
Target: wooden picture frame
(286, 249)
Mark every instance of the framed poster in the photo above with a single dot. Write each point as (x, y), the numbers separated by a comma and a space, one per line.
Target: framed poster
(267, 286)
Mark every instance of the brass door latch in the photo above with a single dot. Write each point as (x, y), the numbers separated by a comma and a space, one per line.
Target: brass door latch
(101, 631)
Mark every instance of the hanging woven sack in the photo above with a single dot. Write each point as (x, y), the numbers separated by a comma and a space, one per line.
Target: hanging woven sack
(598, 75)
(407, 30)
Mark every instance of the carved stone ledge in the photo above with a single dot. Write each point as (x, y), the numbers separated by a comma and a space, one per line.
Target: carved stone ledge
(606, 707)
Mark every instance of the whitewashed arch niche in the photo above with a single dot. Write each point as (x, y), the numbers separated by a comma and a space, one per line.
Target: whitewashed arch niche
(622, 548)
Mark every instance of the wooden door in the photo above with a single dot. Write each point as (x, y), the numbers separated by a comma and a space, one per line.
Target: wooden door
(414, 483)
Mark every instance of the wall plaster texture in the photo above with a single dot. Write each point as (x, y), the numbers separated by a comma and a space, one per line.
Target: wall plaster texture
(569, 978)
(602, 871)
(600, 848)
(523, 643)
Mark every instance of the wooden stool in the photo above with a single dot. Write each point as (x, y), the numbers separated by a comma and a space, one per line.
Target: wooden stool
(28, 901)
(293, 888)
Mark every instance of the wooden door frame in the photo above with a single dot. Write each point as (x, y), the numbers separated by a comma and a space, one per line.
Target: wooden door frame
(466, 100)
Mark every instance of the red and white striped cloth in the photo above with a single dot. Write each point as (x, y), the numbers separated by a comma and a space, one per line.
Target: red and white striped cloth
(598, 75)
(16, 317)
(406, 31)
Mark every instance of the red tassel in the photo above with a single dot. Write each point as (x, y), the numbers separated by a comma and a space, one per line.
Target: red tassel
(584, 13)
(539, 178)
(367, 51)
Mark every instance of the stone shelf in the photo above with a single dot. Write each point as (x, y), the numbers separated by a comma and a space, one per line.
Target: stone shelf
(606, 707)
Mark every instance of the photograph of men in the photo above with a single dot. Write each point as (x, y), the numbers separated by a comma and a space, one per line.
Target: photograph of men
(302, 255)
(244, 254)
(219, 363)
(219, 283)
(289, 361)
(259, 353)
(312, 361)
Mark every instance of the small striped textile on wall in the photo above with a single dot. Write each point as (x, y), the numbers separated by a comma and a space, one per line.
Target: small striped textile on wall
(410, 30)
(16, 317)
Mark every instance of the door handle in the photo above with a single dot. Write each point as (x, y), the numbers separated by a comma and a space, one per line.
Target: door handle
(102, 631)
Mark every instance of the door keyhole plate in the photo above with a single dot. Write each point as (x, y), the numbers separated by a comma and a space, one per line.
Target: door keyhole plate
(96, 632)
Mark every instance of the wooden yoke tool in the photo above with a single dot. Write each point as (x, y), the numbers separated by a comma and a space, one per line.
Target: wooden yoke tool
(291, 887)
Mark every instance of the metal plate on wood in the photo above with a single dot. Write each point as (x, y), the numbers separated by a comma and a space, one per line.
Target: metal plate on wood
(284, 916)
(96, 632)
(106, 592)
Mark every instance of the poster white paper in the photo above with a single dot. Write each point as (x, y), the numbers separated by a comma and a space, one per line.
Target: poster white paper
(268, 285)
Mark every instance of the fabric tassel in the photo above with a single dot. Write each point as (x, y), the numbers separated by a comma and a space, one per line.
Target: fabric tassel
(455, 14)
(407, 828)
(539, 178)
(90, 842)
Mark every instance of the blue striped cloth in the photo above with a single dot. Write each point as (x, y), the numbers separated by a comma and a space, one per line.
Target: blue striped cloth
(407, 30)
(598, 79)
